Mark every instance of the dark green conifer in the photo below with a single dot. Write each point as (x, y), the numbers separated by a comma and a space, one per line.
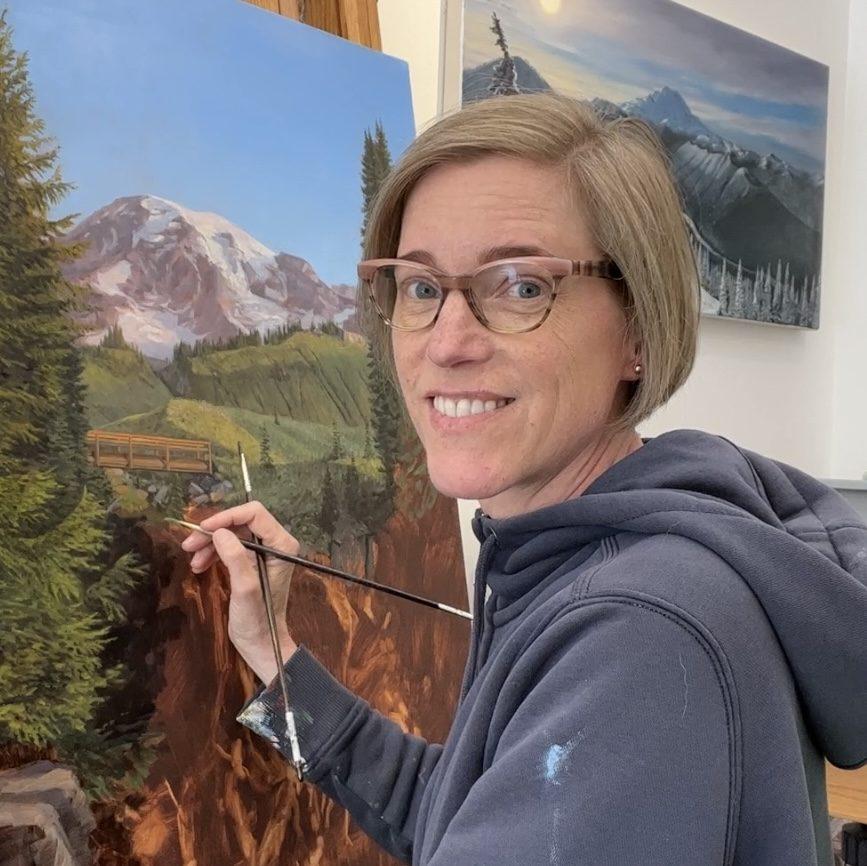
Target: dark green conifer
(505, 77)
(266, 461)
(384, 398)
(337, 450)
(62, 592)
(328, 509)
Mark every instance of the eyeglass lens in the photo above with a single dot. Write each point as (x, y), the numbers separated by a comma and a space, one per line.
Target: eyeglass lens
(510, 296)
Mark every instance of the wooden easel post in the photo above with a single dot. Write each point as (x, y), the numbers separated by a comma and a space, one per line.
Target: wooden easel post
(355, 20)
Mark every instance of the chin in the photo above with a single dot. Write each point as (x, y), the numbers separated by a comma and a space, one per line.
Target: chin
(464, 482)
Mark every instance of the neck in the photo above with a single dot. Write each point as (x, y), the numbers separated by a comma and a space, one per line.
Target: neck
(571, 481)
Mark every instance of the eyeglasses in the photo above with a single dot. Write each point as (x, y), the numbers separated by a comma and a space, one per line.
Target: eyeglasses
(507, 296)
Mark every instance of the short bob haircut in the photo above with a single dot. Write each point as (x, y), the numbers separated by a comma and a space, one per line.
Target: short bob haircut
(623, 185)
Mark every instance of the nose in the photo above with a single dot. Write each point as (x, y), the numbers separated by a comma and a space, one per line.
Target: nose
(457, 335)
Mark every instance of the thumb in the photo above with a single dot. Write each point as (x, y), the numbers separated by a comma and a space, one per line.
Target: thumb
(236, 558)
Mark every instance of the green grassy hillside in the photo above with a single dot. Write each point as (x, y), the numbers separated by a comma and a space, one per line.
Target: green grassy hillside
(119, 383)
(224, 426)
(309, 377)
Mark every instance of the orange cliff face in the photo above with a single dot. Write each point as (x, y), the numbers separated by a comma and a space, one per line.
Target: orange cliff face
(218, 794)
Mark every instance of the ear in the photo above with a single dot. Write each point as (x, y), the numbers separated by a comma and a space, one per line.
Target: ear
(632, 355)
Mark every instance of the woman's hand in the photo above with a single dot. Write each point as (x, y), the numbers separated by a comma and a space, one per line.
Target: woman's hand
(248, 621)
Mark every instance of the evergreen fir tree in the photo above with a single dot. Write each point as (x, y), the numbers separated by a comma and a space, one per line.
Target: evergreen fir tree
(367, 507)
(375, 166)
(337, 451)
(739, 307)
(386, 417)
(266, 461)
(114, 339)
(328, 509)
(369, 449)
(777, 296)
(352, 490)
(505, 77)
(384, 399)
(723, 290)
(61, 591)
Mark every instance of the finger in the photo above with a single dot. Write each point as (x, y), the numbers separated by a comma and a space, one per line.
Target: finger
(260, 521)
(203, 559)
(243, 577)
(195, 541)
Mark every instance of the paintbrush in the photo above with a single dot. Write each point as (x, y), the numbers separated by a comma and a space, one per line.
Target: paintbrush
(265, 584)
(332, 572)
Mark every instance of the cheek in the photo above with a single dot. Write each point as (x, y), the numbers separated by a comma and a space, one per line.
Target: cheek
(403, 353)
(585, 357)
(407, 351)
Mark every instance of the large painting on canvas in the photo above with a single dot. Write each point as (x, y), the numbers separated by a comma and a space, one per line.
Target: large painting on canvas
(743, 120)
(190, 180)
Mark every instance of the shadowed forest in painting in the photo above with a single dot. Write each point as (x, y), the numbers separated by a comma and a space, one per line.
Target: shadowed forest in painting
(177, 277)
(743, 121)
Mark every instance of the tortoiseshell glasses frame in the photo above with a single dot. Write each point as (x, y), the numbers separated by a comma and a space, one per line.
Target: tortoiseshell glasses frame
(483, 289)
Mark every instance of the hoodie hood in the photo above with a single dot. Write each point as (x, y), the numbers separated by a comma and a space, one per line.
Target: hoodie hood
(800, 547)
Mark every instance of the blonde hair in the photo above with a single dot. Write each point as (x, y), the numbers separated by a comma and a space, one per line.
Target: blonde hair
(622, 181)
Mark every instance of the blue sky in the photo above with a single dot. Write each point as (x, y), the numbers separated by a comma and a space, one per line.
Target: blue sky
(219, 106)
(754, 92)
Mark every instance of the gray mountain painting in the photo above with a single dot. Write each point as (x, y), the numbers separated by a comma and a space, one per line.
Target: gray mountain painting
(743, 120)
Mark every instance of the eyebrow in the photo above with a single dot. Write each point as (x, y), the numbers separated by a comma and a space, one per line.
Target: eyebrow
(491, 254)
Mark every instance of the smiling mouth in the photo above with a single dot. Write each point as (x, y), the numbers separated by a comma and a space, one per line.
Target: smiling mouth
(466, 407)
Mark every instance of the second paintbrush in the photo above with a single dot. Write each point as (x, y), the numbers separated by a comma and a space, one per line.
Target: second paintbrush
(265, 584)
(333, 572)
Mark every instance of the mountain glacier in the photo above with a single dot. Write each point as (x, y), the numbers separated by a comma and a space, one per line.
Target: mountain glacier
(667, 107)
(166, 273)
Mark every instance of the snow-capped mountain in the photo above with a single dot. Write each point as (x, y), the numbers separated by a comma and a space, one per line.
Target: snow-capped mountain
(666, 107)
(750, 207)
(165, 273)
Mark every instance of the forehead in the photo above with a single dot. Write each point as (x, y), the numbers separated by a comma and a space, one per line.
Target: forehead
(458, 209)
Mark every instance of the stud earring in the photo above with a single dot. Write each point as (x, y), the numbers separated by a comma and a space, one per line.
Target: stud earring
(638, 368)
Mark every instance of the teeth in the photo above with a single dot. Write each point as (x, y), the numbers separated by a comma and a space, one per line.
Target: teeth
(464, 406)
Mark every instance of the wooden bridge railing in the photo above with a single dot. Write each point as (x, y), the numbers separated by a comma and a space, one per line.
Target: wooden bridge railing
(139, 451)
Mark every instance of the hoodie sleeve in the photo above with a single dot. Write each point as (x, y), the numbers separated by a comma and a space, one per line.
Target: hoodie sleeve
(355, 755)
(617, 748)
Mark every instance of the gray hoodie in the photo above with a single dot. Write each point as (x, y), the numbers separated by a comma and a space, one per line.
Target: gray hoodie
(658, 674)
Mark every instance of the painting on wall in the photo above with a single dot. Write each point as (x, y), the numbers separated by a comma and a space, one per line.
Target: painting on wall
(191, 179)
(743, 120)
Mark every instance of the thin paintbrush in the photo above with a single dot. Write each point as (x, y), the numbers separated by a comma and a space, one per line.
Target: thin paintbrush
(262, 567)
(333, 572)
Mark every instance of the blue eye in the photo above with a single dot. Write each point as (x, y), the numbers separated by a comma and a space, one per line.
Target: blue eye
(527, 290)
(421, 291)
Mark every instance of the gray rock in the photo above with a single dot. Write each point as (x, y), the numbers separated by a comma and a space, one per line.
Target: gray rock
(194, 489)
(162, 495)
(36, 836)
(44, 812)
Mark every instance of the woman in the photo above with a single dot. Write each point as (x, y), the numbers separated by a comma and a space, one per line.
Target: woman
(674, 635)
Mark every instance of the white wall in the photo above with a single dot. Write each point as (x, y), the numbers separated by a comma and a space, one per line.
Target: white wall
(849, 453)
(411, 30)
(796, 395)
